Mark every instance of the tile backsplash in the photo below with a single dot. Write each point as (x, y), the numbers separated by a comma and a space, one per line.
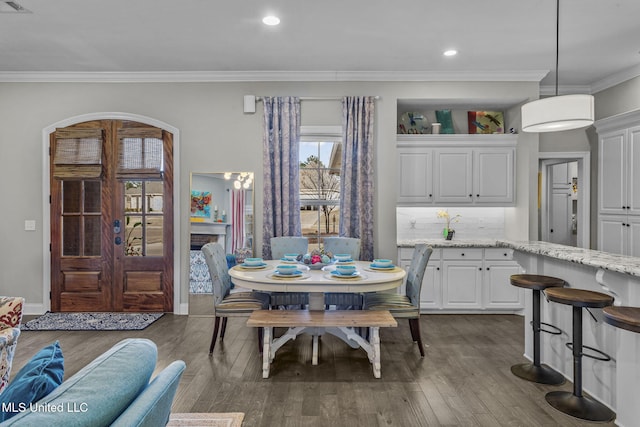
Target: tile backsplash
(474, 223)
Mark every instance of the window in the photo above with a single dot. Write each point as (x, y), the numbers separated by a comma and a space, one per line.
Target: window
(320, 161)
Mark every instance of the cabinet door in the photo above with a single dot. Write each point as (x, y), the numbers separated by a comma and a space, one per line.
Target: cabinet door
(415, 185)
(430, 295)
(493, 175)
(633, 172)
(612, 173)
(633, 234)
(453, 176)
(612, 233)
(462, 284)
(498, 291)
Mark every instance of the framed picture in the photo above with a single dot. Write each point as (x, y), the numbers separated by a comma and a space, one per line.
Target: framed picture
(200, 204)
(485, 122)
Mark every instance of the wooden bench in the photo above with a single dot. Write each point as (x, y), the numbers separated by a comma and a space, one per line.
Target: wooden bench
(341, 323)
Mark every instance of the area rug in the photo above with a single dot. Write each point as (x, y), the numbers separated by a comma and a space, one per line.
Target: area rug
(212, 419)
(91, 321)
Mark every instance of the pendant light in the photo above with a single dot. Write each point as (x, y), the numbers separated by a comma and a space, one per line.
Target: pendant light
(558, 113)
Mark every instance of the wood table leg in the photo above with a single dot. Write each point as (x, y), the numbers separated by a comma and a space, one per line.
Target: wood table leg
(266, 351)
(375, 343)
(314, 356)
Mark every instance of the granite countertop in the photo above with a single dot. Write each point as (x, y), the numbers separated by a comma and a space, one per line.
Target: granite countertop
(597, 259)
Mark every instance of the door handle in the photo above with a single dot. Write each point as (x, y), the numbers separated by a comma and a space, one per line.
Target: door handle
(116, 227)
(118, 240)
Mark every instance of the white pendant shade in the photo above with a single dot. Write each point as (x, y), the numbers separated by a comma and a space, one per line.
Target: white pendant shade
(558, 113)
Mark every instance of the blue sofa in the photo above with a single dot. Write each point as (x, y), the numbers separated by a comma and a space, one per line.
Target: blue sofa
(113, 390)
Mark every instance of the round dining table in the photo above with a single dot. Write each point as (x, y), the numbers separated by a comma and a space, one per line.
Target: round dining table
(317, 282)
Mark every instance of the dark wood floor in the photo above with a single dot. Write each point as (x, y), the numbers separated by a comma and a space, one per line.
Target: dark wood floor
(464, 380)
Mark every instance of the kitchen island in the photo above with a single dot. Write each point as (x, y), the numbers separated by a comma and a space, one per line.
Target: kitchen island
(614, 382)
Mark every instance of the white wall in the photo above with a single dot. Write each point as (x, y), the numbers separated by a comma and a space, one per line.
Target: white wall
(215, 136)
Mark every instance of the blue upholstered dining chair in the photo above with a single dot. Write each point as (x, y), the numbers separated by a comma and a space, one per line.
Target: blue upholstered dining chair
(405, 306)
(343, 245)
(227, 304)
(288, 245)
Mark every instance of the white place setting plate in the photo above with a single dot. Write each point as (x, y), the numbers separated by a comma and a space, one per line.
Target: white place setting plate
(288, 261)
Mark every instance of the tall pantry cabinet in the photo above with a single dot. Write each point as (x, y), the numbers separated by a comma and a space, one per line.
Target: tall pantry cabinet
(619, 184)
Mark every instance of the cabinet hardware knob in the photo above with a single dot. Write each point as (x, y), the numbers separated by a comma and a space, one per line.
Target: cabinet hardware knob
(628, 207)
(477, 195)
(462, 254)
(480, 268)
(470, 195)
(438, 268)
(506, 255)
(429, 195)
(623, 224)
(628, 225)
(551, 231)
(624, 207)
(488, 268)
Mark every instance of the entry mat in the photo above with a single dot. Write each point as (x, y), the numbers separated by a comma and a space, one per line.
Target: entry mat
(91, 321)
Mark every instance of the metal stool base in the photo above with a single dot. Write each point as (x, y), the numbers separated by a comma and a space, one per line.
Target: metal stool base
(582, 407)
(542, 374)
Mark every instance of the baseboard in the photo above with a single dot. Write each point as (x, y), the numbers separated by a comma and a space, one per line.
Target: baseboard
(32, 309)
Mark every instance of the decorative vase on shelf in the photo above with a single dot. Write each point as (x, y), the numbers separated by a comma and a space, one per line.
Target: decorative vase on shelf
(448, 233)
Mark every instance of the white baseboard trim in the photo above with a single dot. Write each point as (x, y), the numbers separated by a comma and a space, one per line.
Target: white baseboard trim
(33, 309)
(183, 308)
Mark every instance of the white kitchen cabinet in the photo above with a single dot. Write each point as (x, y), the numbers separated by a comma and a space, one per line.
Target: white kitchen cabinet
(468, 280)
(430, 293)
(415, 177)
(445, 170)
(498, 291)
(619, 184)
(619, 234)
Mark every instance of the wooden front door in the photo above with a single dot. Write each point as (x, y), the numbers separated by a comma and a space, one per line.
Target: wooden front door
(111, 217)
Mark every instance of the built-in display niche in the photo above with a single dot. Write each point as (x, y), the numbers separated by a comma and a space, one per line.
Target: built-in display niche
(458, 116)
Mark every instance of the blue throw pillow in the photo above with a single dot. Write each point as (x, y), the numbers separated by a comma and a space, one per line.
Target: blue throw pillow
(39, 377)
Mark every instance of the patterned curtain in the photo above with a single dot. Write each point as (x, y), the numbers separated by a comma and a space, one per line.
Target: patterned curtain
(237, 219)
(356, 186)
(281, 165)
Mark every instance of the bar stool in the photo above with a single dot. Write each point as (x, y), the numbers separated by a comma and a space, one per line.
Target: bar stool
(575, 404)
(623, 317)
(535, 371)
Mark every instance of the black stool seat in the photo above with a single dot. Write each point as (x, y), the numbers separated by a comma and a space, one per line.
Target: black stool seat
(623, 317)
(535, 371)
(575, 404)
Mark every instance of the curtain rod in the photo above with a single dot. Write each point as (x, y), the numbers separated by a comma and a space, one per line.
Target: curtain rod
(317, 98)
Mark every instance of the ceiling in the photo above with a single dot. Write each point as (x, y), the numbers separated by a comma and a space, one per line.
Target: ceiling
(324, 40)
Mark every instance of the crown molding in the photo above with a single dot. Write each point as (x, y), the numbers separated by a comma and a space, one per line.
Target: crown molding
(616, 79)
(266, 76)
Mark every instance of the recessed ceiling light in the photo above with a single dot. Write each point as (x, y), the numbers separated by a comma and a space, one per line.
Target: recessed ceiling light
(271, 20)
(450, 52)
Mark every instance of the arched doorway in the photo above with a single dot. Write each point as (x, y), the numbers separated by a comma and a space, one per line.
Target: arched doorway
(111, 221)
